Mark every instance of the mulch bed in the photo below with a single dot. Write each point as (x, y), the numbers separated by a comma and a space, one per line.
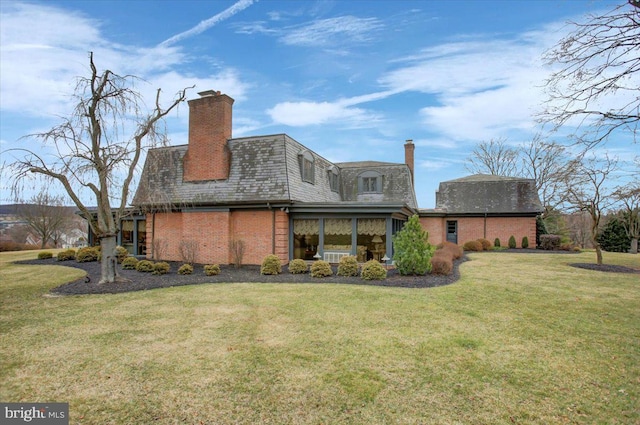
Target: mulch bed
(136, 281)
(605, 268)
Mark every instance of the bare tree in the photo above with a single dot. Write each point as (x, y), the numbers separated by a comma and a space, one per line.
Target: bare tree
(493, 157)
(597, 86)
(92, 152)
(549, 165)
(46, 216)
(587, 191)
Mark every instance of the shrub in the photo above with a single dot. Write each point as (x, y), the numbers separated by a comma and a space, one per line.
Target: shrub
(185, 269)
(188, 251)
(512, 242)
(525, 242)
(372, 270)
(454, 249)
(45, 255)
(321, 268)
(129, 263)
(412, 252)
(567, 246)
(614, 237)
(87, 254)
(348, 266)
(297, 266)
(442, 263)
(145, 266)
(121, 253)
(472, 246)
(550, 242)
(66, 255)
(496, 243)
(212, 269)
(486, 244)
(271, 265)
(161, 267)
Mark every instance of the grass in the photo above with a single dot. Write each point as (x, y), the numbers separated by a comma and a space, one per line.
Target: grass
(520, 339)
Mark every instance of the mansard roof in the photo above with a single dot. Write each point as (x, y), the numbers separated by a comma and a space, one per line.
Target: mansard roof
(483, 193)
(267, 169)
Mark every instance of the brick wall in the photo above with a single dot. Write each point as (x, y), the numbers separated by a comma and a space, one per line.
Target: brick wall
(472, 228)
(213, 232)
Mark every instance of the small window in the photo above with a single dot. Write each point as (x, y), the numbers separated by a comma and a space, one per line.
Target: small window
(307, 167)
(333, 178)
(370, 182)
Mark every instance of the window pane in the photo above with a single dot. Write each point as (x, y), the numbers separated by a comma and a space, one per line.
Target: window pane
(305, 238)
(337, 234)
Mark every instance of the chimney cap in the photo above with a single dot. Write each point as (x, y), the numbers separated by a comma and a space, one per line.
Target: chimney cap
(409, 141)
(207, 93)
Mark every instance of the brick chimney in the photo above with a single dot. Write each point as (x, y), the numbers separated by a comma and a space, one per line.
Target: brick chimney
(208, 156)
(409, 147)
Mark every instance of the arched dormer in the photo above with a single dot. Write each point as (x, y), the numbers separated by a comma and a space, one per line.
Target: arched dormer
(333, 175)
(307, 166)
(370, 182)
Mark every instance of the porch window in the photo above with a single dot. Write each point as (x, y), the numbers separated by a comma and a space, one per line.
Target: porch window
(127, 235)
(372, 239)
(337, 235)
(305, 238)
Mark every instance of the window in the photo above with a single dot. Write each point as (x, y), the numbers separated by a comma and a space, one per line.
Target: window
(333, 178)
(307, 167)
(370, 182)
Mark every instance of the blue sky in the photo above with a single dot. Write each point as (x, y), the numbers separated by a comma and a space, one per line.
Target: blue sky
(351, 80)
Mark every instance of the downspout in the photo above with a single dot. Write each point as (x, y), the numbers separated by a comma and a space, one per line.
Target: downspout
(485, 224)
(273, 228)
(153, 234)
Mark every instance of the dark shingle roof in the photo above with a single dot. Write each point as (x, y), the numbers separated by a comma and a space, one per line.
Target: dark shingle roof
(265, 169)
(482, 193)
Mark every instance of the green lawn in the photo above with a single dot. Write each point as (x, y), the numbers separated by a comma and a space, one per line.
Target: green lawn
(521, 338)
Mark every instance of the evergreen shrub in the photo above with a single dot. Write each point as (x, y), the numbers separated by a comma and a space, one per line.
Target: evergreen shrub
(45, 255)
(129, 263)
(66, 255)
(321, 268)
(442, 263)
(144, 266)
(271, 265)
(512, 242)
(298, 266)
(185, 269)
(550, 242)
(87, 254)
(373, 270)
(496, 243)
(211, 269)
(525, 242)
(161, 267)
(486, 244)
(614, 237)
(348, 266)
(411, 249)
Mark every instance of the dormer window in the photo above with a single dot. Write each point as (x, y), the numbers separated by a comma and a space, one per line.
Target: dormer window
(333, 178)
(370, 182)
(307, 167)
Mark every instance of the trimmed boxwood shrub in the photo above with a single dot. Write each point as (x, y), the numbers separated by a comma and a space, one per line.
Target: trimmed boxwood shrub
(161, 267)
(45, 255)
(472, 246)
(145, 266)
(372, 270)
(185, 269)
(512, 242)
(348, 266)
(525, 242)
(486, 244)
(66, 255)
(129, 263)
(454, 249)
(550, 242)
(321, 268)
(121, 253)
(442, 263)
(87, 254)
(298, 266)
(211, 269)
(271, 265)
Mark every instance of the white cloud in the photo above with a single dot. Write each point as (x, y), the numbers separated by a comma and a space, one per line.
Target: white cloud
(338, 30)
(297, 114)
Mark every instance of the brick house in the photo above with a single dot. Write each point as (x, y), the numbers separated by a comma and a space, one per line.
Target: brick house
(274, 195)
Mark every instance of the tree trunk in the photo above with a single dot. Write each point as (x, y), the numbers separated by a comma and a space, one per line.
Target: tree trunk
(634, 246)
(109, 272)
(598, 255)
